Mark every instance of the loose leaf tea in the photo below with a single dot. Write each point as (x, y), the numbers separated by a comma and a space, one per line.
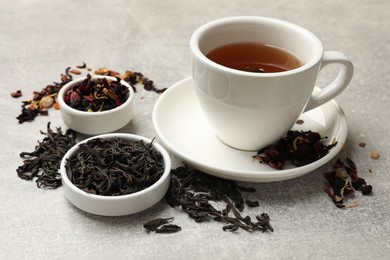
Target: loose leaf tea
(153, 224)
(44, 162)
(94, 95)
(113, 167)
(160, 225)
(169, 228)
(299, 147)
(343, 182)
(31, 108)
(192, 191)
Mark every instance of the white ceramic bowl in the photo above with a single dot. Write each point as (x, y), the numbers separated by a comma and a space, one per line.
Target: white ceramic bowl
(93, 123)
(117, 205)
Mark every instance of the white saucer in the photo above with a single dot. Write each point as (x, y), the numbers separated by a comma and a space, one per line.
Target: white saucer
(183, 130)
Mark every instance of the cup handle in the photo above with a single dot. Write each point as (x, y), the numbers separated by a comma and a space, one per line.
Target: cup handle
(337, 85)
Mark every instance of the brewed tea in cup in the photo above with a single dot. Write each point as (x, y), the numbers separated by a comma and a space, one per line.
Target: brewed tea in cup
(254, 76)
(255, 57)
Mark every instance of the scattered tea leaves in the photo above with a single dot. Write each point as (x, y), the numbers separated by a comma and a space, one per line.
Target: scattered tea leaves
(44, 162)
(193, 190)
(299, 147)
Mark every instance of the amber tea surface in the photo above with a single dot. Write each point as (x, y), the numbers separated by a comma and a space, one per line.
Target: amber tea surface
(255, 57)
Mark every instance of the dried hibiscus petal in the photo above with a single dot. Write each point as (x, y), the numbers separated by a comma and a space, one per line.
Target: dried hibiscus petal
(27, 114)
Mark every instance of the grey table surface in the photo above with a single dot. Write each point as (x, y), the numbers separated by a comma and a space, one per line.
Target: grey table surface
(39, 39)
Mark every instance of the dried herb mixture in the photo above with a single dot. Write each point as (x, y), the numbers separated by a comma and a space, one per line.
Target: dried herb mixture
(94, 95)
(343, 182)
(47, 97)
(299, 147)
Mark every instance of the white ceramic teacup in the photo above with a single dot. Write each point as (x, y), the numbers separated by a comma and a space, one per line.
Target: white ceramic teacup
(251, 110)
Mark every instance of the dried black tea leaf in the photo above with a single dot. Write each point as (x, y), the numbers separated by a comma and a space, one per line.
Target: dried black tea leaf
(153, 224)
(299, 147)
(231, 227)
(169, 228)
(252, 203)
(44, 162)
(113, 167)
(193, 190)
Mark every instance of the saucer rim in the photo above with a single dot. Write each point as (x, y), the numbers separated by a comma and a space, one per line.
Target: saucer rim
(271, 175)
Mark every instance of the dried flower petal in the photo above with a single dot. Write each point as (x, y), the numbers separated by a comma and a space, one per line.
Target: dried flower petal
(46, 102)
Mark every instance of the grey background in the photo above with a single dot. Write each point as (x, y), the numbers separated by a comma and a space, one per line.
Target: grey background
(39, 39)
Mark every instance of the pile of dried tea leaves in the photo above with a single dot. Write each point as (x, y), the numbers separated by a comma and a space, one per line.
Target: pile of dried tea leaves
(44, 162)
(299, 147)
(94, 95)
(113, 167)
(47, 97)
(343, 182)
(193, 190)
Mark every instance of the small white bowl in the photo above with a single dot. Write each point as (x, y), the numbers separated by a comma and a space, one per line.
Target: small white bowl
(117, 205)
(93, 123)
